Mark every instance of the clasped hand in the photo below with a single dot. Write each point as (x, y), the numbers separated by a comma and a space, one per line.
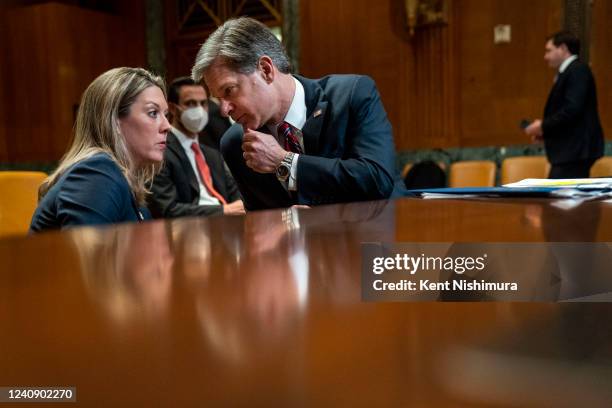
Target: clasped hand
(261, 151)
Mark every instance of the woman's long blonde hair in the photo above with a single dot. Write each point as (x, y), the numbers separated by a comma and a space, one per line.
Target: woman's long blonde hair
(96, 130)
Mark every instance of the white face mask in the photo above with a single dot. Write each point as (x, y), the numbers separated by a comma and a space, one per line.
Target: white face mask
(194, 119)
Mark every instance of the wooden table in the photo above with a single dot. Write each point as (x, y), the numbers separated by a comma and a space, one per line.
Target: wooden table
(266, 310)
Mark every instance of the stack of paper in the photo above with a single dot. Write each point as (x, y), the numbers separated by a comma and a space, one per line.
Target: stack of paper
(582, 189)
(586, 183)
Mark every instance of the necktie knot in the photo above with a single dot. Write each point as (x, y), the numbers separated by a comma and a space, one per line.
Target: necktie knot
(292, 143)
(284, 127)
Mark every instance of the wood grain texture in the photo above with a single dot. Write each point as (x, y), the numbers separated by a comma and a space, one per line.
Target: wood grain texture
(365, 38)
(448, 86)
(252, 311)
(3, 97)
(601, 60)
(503, 83)
(54, 51)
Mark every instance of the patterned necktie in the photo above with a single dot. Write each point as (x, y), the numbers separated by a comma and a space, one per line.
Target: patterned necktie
(205, 172)
(292, 144)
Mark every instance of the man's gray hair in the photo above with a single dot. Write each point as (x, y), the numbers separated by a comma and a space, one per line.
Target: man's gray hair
(239, 43)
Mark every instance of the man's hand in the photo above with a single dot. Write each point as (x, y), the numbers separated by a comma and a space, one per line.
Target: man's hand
(535, 131)
(234, 208)
(262, 152)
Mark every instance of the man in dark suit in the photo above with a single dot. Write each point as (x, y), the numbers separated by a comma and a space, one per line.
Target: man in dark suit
(571, 130)
(297, 140)
(194, 179)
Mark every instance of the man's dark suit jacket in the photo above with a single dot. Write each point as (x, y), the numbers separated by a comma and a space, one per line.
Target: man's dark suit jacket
(175, 190)
(571, 126)
(349, 151)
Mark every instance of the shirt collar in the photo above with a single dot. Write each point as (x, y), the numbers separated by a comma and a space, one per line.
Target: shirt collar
(296, 115)
(183, 139)
(566, 63)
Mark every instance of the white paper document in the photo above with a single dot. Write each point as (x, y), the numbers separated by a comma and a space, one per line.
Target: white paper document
(595, 183)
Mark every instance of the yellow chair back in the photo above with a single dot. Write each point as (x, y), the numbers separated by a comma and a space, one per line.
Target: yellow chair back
(518, 168)
(476, 173)
(602, 167)
(18, 200)
(406, 169)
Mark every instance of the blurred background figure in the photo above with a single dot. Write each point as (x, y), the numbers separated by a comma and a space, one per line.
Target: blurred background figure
(425, 174)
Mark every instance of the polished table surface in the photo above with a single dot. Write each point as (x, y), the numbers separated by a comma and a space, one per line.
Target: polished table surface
(266, 310)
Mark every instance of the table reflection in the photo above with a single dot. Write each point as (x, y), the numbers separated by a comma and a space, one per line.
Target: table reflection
(565, 349)
(126, 271)
(570, 268)
(266, 310)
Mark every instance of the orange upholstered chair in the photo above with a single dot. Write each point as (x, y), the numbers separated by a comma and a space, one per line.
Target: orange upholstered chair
(18, 200)
(602, 167)
(406, 169)
(518, 168)
(476, 173)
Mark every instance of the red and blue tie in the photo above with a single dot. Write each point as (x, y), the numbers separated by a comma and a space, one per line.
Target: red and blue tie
(292, 144)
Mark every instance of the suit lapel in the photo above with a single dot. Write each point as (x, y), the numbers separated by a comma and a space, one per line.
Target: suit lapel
(561, 77)
(558, 85)
(553, 91)
(175, 146)
(316, 109)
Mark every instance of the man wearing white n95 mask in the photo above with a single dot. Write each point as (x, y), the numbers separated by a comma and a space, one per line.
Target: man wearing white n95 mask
(194, 179)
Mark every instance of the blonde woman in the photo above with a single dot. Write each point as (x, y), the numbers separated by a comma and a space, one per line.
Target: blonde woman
(118, 145)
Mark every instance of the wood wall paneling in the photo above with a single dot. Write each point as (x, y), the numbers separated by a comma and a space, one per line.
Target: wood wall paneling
(3, 88)
(601, 60)
(417, 77)
(503, 83)
(360, 37)
(449, 85)
(54, 51)
(434, 117)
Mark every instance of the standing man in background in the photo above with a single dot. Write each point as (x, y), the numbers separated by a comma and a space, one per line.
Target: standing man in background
(194, 179)
(570, 129)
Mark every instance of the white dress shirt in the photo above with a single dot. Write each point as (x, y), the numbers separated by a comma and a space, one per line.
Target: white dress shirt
(296, 117)
(566, 63)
